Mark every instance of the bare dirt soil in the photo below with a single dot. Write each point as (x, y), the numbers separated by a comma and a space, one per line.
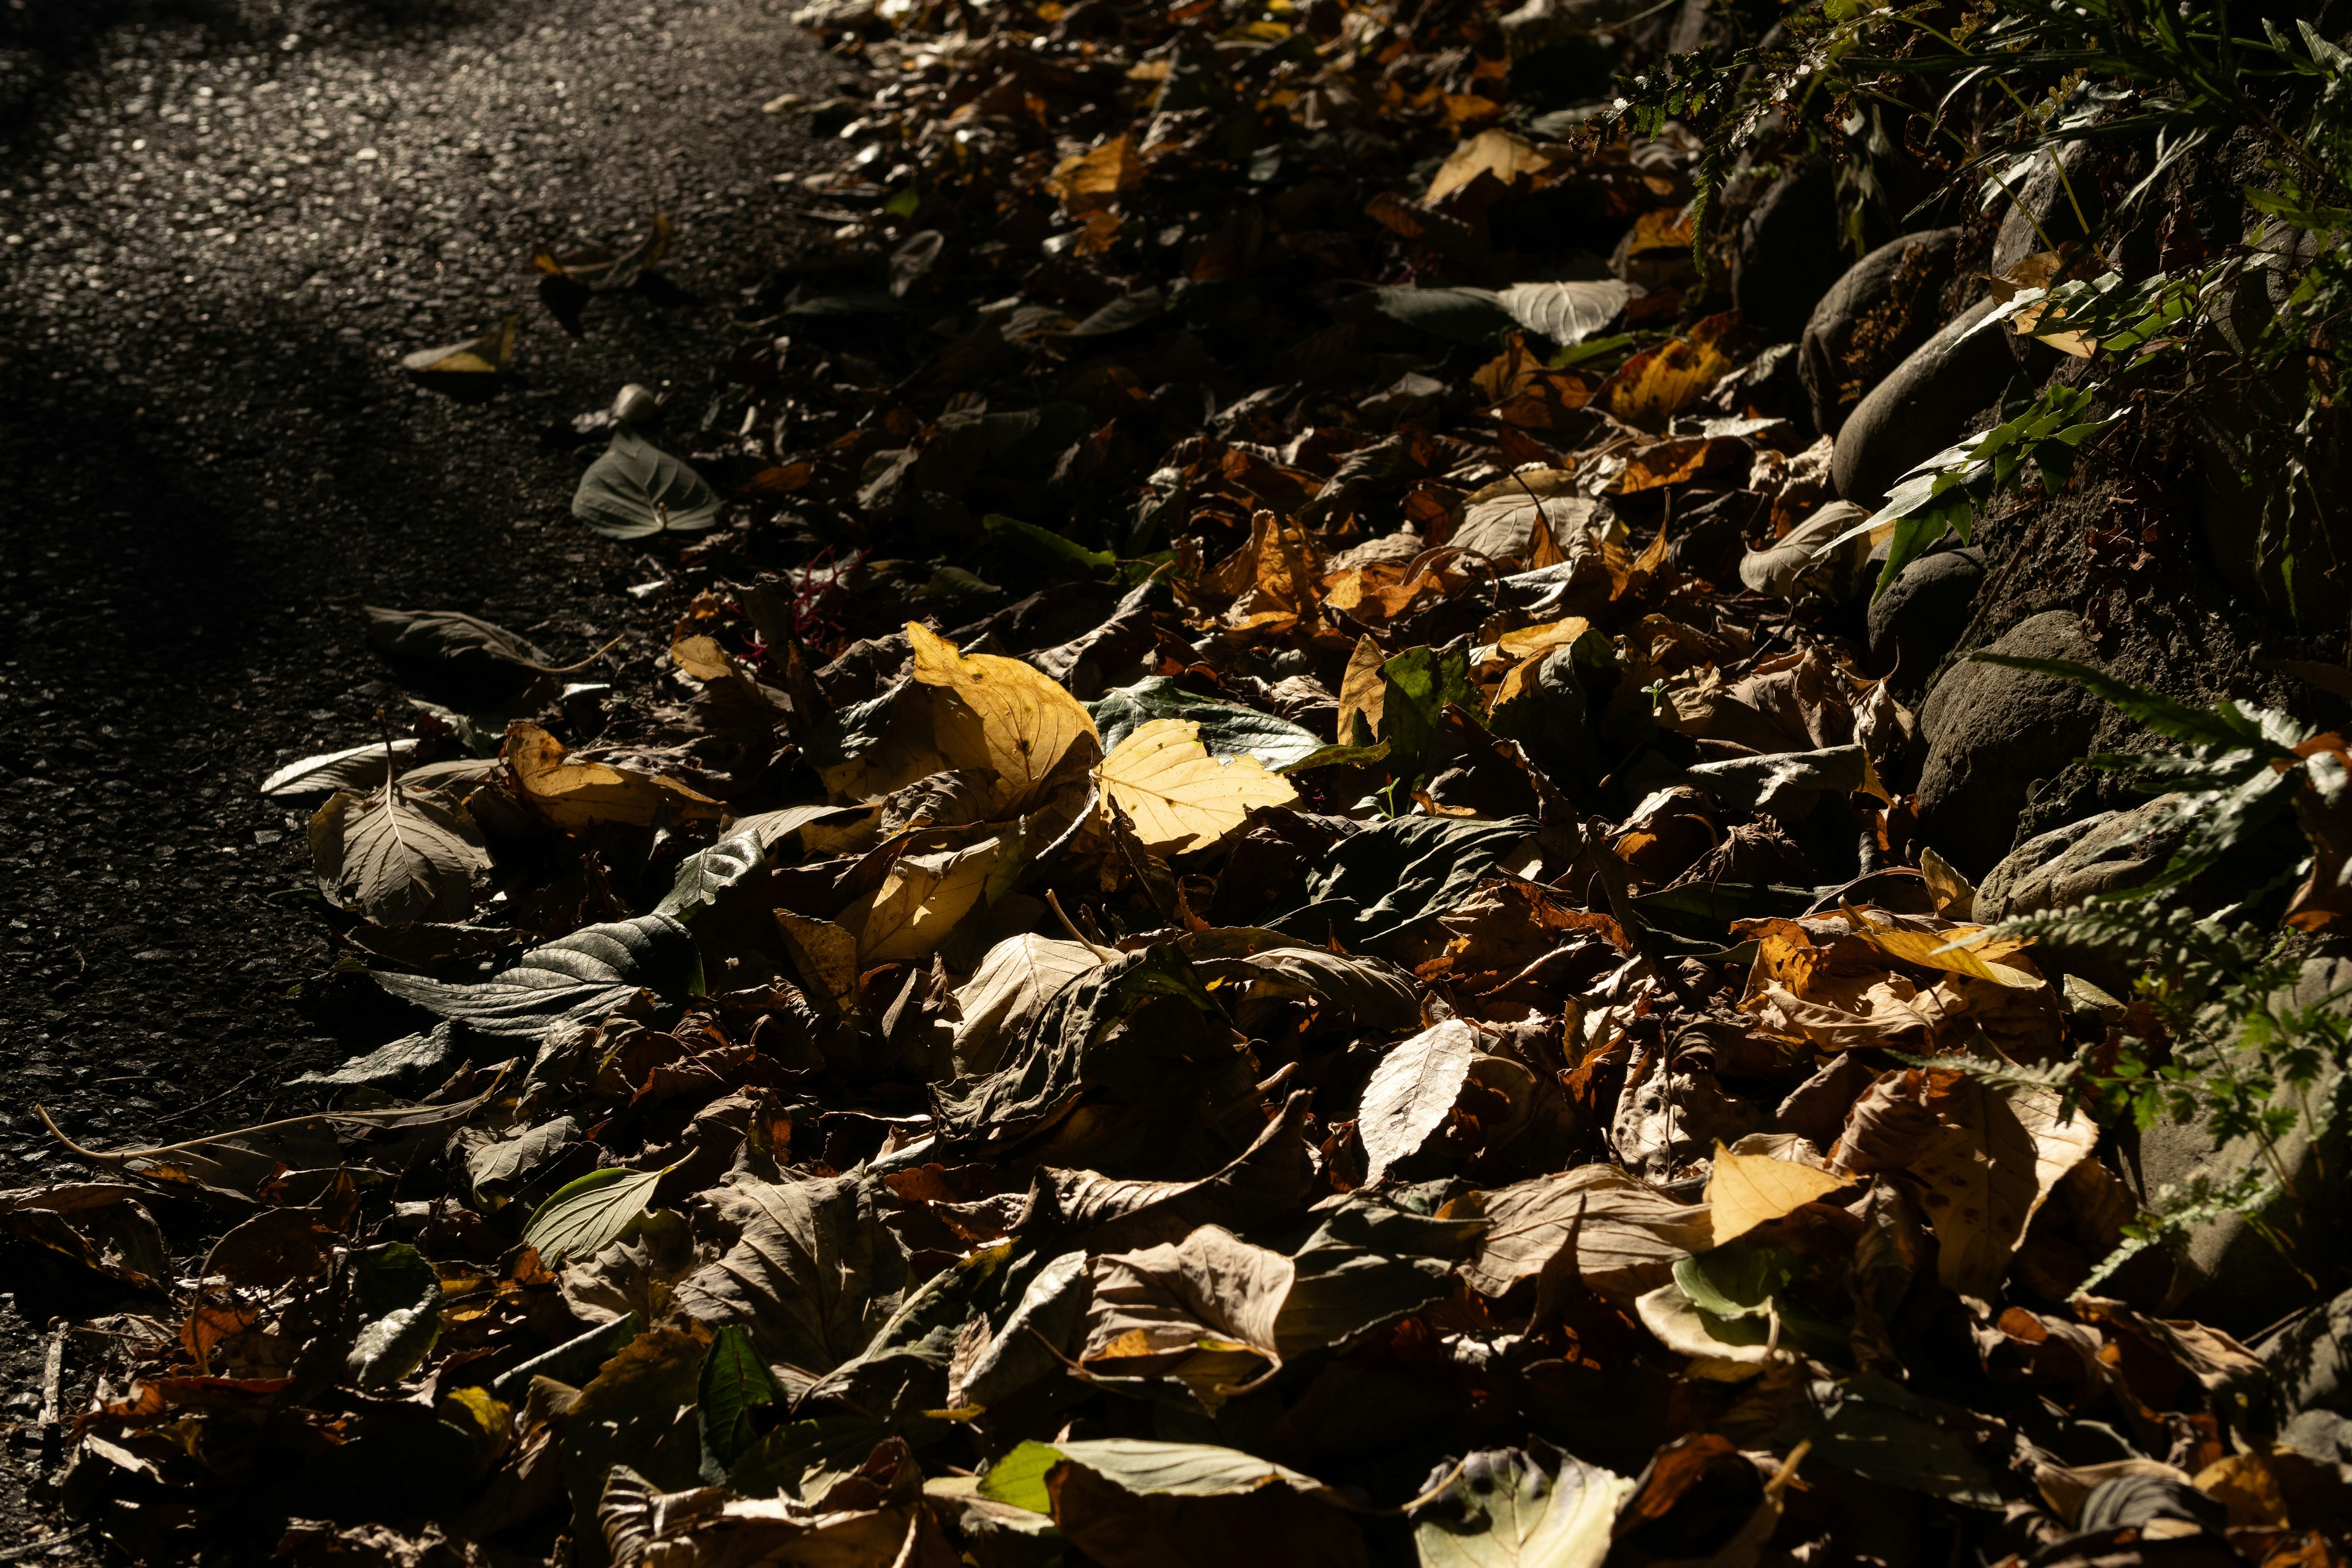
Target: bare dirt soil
(220, 226)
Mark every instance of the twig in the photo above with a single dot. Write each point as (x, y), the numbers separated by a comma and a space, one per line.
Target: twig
(583, 664)
(411, 1116)
(192, 1109)
(53, 1376)
(1102, 954)
(26, 1549)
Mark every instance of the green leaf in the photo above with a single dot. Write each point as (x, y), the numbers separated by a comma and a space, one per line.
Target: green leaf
(1508, 1507)
(636, 489)
(1226, 729)
(587, 1215)
(1045, 547)
(1421, 682)
(735, 1383)
(2223, 726)
(1019, 1477)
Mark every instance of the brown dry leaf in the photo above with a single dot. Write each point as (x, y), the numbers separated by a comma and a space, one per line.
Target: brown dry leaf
(1179, 797)
(1627, 1234)
(1997, 1155)
(1094, 179)
(1362, 690)
(1496, 153)
(1002, 714)
(826, 956)
(398, 856)
(1744, 1191)
(576, 795)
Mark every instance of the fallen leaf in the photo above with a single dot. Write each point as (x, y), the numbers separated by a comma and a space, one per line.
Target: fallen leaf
(1179, 797)
(398, 856)
(1746, 1190)
(1412, 1092)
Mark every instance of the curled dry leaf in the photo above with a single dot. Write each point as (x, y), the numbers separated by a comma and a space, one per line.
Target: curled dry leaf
(576, 795)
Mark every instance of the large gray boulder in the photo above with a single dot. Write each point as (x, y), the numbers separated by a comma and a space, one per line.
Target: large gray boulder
(1924, 610)
(2232, 1275)
(1992, 732)
(1884, 306)
(1788, 252)
(2102, 854)
(1921, 407)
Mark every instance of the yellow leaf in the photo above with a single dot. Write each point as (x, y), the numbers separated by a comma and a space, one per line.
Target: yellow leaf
(581, 794)
(1955, 895)
(1496, 153)
(488, 354)
(1004, 715)
(1178, 796)
(1656, 385)
(919, 903)
(1745, 1190)
(1931, 950)
(1528, 642)
(1362, 690)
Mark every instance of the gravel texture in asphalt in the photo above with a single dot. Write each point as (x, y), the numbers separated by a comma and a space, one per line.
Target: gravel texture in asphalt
(220, 227)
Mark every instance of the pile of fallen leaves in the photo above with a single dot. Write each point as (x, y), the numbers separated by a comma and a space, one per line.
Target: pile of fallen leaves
(1392, 1008)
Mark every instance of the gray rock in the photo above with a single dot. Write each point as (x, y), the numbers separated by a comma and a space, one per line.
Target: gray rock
(1923, 613)
(1883, 308)
(1788, 252)
(1992, 732)
(2043, 194)
(2059, 870)
(1921, 407)
(2236, 1279)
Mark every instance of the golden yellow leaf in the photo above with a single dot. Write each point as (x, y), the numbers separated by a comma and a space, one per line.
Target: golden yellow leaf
(1361, 691)
(702, 658)
(1745, 1190)
(1529, 641)
(1928, 949)
(919, 903)
(1001, 714)
(580, 794)
(1180, 797)
(1496, 153)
